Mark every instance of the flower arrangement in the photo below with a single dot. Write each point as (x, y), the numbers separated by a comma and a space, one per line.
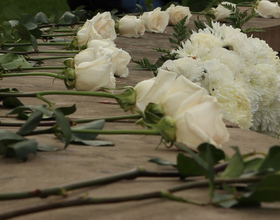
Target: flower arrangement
(242, 72)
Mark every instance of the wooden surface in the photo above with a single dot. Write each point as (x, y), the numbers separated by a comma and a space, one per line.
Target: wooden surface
(78, 163)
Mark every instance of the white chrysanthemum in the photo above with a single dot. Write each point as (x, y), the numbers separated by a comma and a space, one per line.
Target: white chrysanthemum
(227, 57)
(199, 45)
(190, 67)
(221, 31)
(208, 40)
(264, 80)
(230, 93)
(188, 49)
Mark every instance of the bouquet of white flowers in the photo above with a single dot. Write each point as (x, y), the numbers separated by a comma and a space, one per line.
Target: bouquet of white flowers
(241, 71)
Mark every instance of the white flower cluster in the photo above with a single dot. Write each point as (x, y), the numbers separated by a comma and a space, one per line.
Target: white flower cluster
(98, 64)
(196, 114)
(241, 72)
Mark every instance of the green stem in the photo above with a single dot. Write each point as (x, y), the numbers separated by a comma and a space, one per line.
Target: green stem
(43, 93)
(51, 123)
(62, 190)
(136, 197)
(32, 74)
(39, 44)
(40, 51)
(120, 132)
(58, 35)
(57, 51)
(59, 25)
(65, 30)
(109, 119)
(35, 68)
(48, 58)
(93, 131)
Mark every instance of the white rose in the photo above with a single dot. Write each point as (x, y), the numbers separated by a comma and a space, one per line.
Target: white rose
(105, 25)
(156, 20)
(87, 55)
(199, 120)
(221, 12)
(155, 89)
(196, 114)
(91, 76)
(268, 9)
(86, 33)
(101, 26)
(177, 13)
(120, 58)
(130, 26)
(101, 42)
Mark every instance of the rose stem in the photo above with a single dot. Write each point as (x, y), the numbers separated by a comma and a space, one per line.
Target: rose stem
(55, 75)
(62, 190)
(41, 51)
(35, 68)
(51, 123)
(136, 197)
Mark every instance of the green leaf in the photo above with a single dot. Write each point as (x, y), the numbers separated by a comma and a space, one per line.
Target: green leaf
(93, 143)
(11, 60)
(88, 139)
(68, 110)
(68, 18)
(7, 29)
(224, 200)
(23, 32)
(217, 154)
(8, 135)
(64, 125)
(253, 164)
(267, 191)
(272, 159)
(46, 147)
(94, 125)
(37, 33)
(41, 18)
(30, 108)
(28, 21)
(236, 165)
(22, 149)
(162, 162)
(31, 123)
(12, 102)
(195, 156)
(187, 166)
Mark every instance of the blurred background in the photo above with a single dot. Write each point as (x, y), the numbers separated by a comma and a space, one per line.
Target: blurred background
(34, 6)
